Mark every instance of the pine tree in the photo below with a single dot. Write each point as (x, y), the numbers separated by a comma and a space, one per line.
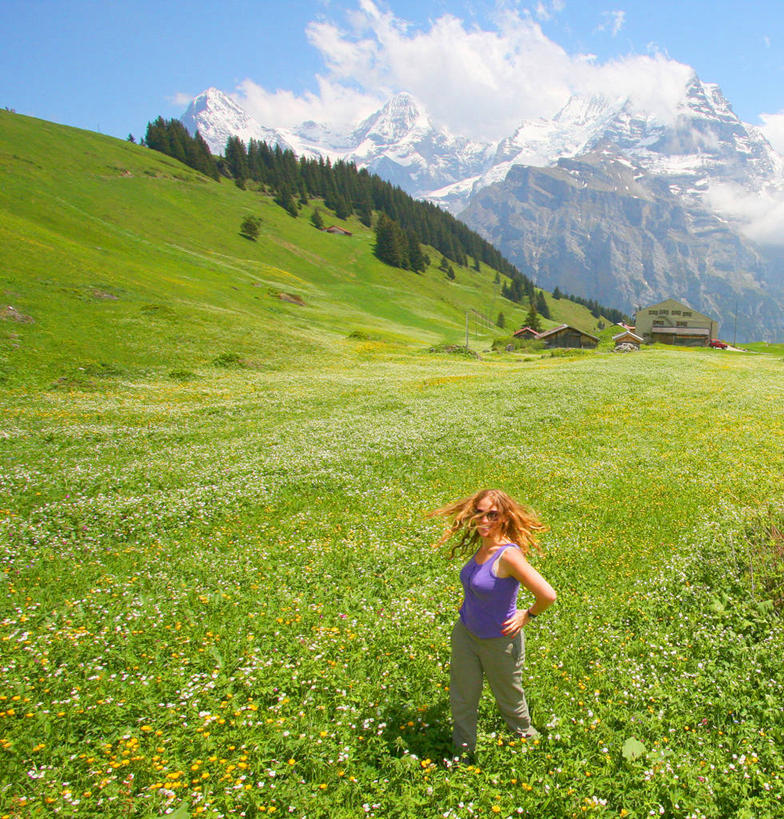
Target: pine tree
(316, 219)
(532, 319)
(237, 158)
(557, 293)
(447, 268)
(391, 245)
(341, 208)
(513, 291)
(365, 212)
(501, 321)
(541, 305)
(286, 200)
(250, 227)
(416, 258)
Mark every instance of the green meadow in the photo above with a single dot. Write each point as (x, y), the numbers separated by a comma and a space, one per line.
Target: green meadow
(219, 592)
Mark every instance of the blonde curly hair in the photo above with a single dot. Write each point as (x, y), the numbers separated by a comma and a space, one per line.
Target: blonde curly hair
(518, 524)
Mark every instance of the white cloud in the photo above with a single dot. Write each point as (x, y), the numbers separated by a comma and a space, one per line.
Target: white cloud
(612, 21)
(480, 82)
(546, 11)
(335, 104)
(654, 84)
(181, 99)
(772, 128)
(760, 214)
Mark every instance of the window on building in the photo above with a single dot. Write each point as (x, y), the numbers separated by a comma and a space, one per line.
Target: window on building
(676, 312)
(664, 312)
(686, 313)
(681, 323)
(653, 312)
(658, 323)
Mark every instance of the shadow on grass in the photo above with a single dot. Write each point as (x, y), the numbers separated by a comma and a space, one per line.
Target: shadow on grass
(425, 733)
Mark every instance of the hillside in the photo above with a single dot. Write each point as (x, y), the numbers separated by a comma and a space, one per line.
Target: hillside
(118, 261)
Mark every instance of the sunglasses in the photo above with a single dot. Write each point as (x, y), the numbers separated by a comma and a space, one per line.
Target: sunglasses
(492, 515)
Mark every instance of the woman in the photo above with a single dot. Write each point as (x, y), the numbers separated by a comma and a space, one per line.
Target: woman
(487, 638)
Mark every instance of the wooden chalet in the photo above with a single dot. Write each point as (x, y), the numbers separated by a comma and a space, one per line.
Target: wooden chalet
(567, 336)
(525, 332)
(338, 230)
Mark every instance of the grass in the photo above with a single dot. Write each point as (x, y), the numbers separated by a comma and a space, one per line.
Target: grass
(219, 595)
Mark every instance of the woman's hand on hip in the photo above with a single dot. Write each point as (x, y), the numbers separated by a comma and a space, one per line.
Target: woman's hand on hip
(514, 624)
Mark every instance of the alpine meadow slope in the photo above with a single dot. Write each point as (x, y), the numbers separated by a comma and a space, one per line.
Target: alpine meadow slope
(125, 260)
(219, 596)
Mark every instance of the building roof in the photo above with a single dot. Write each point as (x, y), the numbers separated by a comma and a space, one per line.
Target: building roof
(337, 229)
(562, 327)
(682, 331)
(524, 330)
(627, 334)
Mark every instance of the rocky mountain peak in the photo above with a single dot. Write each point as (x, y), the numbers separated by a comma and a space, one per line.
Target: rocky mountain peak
(216, 116)
(401, 116)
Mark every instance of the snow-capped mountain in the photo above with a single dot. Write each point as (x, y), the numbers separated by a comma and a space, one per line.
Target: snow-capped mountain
(217, 117)
(702, 142)
(606, 200)
(617, 204)
(398, 142)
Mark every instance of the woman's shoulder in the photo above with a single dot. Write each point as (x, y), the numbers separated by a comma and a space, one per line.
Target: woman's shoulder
(513, 553)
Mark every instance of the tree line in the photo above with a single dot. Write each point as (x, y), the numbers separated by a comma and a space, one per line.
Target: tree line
(171, 137)
(347, 190)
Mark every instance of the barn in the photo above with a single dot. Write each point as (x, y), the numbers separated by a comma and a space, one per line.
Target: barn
(567, 336)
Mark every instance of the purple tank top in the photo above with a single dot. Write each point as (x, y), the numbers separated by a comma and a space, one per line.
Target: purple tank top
(489, 600)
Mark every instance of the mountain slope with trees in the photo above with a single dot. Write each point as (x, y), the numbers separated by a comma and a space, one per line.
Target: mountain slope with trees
(118, 260)
(346, 190)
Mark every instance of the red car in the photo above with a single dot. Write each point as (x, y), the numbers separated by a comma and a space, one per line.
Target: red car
(717, 342)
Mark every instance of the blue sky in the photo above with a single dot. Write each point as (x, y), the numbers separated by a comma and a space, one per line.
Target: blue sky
(479, 66)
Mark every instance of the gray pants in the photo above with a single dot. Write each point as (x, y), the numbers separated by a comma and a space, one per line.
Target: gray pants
(500, 659)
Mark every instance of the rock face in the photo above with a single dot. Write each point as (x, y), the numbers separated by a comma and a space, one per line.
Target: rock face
(590, 228)
(619, 209)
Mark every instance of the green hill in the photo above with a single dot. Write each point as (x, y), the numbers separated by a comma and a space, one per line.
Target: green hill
(119, 261)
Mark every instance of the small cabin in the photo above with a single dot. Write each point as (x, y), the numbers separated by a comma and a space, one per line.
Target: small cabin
(567, 336)
(525, 333)
(338, 230)
(627, 337)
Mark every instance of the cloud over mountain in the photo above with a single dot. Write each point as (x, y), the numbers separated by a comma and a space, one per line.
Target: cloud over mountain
(476, 82)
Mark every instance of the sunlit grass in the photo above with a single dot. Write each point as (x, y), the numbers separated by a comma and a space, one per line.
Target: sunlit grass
(220, 593)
